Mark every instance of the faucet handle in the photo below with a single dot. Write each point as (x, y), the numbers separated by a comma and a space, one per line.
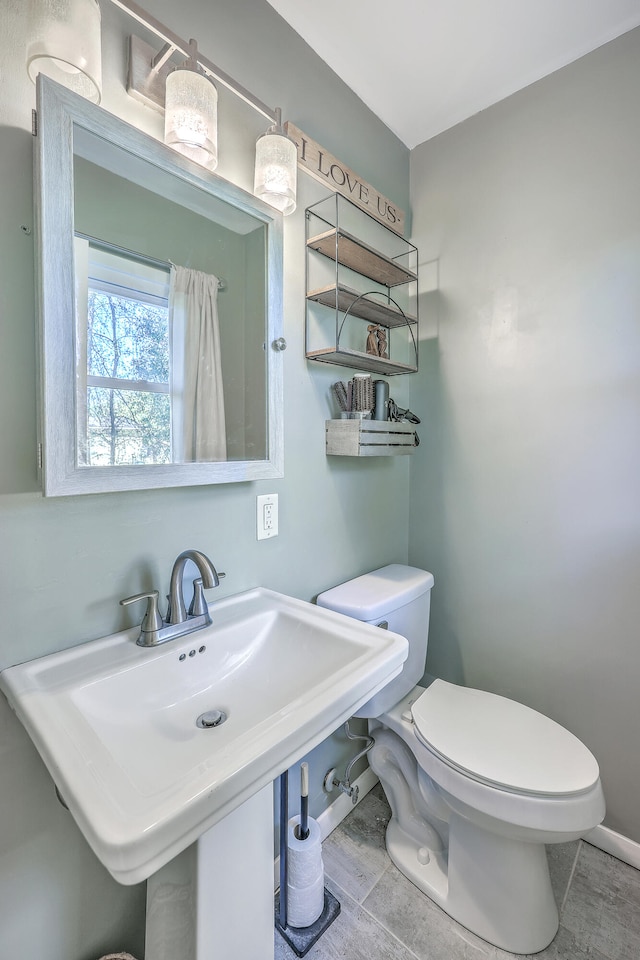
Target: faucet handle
(198, 606)
(152, 621)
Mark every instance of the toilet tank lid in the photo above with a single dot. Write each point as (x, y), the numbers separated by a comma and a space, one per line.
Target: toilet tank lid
(378, 593)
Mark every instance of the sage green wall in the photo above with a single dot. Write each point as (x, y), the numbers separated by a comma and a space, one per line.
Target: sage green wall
(525, 498)
(65, 563)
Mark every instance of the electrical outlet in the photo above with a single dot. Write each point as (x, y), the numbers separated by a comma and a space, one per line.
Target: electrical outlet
(267, 516)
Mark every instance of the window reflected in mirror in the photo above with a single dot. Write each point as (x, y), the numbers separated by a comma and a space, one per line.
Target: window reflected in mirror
(168, 371)
(124, 360)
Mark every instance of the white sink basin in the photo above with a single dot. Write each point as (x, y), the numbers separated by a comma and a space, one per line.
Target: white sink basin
(116, 723)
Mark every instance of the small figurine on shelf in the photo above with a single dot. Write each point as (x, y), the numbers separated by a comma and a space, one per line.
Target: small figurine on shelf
(372, 339)
(383, 351)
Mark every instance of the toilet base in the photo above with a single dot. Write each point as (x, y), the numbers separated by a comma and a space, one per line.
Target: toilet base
(496, 887)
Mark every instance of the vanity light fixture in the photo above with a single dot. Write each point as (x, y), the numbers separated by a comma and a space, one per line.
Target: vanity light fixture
(65, 44)
(191, 112)
(153, 80)
(276, 168)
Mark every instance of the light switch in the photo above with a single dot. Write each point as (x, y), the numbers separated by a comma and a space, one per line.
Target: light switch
(267, 516)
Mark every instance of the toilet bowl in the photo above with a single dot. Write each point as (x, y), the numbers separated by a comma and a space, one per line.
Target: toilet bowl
(477, 783)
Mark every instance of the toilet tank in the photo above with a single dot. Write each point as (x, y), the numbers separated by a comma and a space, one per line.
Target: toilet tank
(398, 596)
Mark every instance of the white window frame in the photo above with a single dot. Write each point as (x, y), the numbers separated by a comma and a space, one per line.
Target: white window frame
(113, 272)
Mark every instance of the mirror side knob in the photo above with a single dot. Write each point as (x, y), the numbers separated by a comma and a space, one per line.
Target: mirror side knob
(279, 344)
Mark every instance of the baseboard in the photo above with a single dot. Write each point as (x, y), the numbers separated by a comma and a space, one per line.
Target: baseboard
(335, 813)
(614, 843)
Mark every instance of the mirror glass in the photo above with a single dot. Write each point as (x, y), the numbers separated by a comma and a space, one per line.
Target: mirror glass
(161, 296)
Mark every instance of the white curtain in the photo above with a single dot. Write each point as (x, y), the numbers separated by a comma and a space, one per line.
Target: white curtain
(198, 422)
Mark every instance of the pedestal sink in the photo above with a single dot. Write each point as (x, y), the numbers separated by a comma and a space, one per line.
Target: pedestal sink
(117, 727)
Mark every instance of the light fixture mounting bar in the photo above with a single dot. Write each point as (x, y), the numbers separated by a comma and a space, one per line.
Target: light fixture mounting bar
(183, 46)
(162, 56)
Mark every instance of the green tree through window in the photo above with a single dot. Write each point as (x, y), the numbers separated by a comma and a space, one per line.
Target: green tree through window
(128, 400)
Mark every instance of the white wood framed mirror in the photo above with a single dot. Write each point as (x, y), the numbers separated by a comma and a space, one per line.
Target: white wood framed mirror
(160, 301)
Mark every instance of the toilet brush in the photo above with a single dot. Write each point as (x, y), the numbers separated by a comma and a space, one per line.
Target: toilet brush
(302, 830)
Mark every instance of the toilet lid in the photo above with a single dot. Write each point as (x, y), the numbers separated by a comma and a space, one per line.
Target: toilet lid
(501, 742)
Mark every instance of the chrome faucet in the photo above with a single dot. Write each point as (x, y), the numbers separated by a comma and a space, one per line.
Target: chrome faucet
(209, 577)
(178, 621)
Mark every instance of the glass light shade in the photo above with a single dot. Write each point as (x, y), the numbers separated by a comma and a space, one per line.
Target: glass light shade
(65, 44)
(191, 116)
(276, 171)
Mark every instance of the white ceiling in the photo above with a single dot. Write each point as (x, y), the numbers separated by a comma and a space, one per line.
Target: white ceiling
(424, 65)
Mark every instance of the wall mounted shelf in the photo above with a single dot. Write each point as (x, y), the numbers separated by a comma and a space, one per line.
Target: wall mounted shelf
(369, 438)
(358, 270)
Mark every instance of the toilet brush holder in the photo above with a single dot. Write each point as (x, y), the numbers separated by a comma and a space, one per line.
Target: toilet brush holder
(304, 908)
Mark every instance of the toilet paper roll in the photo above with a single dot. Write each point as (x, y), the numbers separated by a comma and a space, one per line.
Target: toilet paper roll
(305, 884)
(305, 856)
(305, 904)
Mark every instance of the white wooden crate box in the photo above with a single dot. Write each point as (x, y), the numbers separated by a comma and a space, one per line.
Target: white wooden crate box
(369, 438)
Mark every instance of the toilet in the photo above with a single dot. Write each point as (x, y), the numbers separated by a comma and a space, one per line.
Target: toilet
(477, 783)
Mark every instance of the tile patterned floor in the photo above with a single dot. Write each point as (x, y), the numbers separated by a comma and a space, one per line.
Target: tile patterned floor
(384, 917)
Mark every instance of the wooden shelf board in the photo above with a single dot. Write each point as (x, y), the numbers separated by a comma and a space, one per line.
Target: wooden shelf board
(360, 361)
(362, 258)
(374, 311)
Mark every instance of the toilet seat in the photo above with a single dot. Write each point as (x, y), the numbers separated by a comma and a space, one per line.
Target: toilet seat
(501, 743)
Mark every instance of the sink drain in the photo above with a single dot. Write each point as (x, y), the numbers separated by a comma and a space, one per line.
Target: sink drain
(212, 718)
